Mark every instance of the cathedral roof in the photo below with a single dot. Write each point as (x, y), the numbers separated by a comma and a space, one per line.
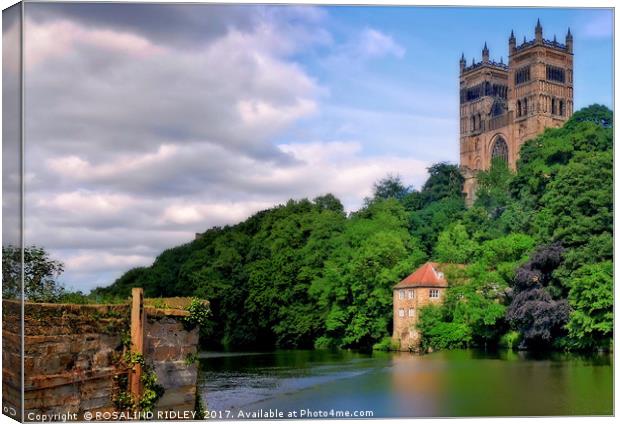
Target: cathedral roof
(428, 275)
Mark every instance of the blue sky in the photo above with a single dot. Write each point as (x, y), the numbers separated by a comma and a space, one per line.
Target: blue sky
(423, 82)
(148, 123)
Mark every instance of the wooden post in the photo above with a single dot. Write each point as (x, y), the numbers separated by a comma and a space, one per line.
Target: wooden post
(137, 339)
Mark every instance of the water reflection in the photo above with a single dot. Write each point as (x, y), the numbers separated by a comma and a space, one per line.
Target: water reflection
(456, 383)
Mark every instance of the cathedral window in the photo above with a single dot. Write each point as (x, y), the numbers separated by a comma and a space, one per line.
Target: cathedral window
(553, 107)
(555, 73)
(522, 75)
(561, 111)
(525, 107)
(500, 149)
(518, 108)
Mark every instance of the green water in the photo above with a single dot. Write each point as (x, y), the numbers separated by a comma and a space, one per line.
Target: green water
(443, 384)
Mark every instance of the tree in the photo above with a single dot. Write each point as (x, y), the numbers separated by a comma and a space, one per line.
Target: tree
(492, 193)
(444, 181)
(329, 202)
(596, 113)
(454, 246)
(538, 317)
(591, 297)
(436, 333)
(427, 223)
(40, 274)
(390, 187)
(578, 203)
(354, 293)
(533, 311)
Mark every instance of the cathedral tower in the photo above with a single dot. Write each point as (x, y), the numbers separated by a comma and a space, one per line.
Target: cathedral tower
(504, 105)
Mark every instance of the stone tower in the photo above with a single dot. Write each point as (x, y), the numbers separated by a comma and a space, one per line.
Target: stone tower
(504, 105)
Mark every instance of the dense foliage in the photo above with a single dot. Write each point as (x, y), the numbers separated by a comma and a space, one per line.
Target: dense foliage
(535, 252)
(549, 276)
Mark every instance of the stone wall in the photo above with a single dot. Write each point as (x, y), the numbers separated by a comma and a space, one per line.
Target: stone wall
(170, 347)
(73, 357)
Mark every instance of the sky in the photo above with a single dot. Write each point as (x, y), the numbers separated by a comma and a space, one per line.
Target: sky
(145, 124)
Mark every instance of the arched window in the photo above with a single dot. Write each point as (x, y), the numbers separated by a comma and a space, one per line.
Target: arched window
(553, 109)
(561, 107)
(524, 106)
(480, 122)
(518, 107)
(473, 123)
(500, 149)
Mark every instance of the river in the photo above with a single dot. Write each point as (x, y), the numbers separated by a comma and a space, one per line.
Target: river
(386, 385)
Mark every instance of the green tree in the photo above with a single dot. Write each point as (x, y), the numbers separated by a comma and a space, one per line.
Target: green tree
(578, 203)
(427, 223)
(454, 246)
(492, 193)
(355, 291)
(591, 297)
(437, 333)
(390, 187)
(444, 181)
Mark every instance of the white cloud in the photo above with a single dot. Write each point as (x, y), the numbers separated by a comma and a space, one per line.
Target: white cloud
(102, 261)
(98, 91)
(375, 44)
(197, 214)
(363, 46)
(134, 145)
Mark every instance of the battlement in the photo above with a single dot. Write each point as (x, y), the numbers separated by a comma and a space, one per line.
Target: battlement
(491, 64)
(547, 43)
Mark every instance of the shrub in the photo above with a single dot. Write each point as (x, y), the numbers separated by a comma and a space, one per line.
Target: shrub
(386, 344)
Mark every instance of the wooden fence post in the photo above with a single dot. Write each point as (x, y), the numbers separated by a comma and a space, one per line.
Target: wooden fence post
(137, 339)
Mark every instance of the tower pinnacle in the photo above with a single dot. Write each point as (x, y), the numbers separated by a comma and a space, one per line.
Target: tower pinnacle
(485, 53)
(539, 31)
(569, 41)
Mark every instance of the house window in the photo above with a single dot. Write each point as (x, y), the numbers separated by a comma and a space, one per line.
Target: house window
(411, 312)
(409, 294)
(401, 312)
(434, 293)
(401, 294)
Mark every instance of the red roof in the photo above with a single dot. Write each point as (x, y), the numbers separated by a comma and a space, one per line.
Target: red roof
(428, 275)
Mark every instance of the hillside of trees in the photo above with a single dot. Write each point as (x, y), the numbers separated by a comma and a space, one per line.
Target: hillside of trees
(537, 244)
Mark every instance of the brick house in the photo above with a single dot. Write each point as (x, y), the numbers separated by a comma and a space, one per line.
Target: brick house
(424, 286)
